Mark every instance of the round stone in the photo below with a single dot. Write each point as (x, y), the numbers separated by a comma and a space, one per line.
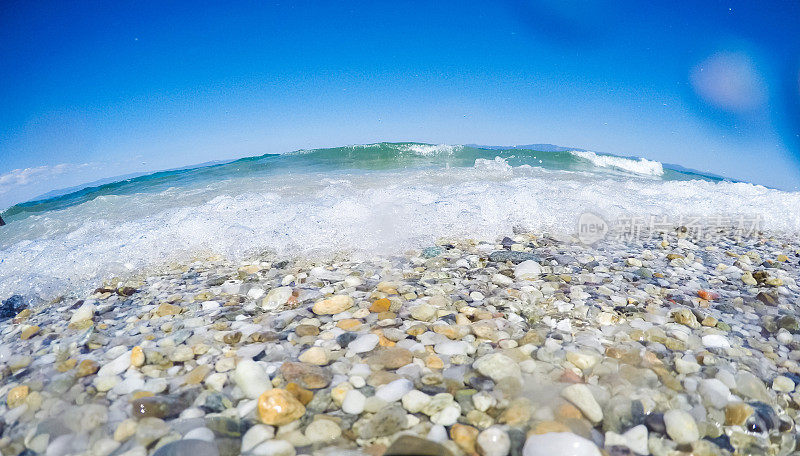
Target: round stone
(354, 402)
(559, 443)
(323, 430)
(493, 441)
(681, 427)
(414, 401)
(251, 378)
(274, 448)
(527, 270)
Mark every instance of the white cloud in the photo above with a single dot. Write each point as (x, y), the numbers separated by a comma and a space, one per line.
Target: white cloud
(28, 176)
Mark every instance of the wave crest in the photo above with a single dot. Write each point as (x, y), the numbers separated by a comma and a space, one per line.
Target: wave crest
(640, 166)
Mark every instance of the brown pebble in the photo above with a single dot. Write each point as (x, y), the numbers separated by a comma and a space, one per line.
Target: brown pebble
(303, 395)
(232, 338)
(380, 305)
(87, 367)
(306, 330)
(464, 436)
(66, 365)
(16, 396)
(736, 413)
(28, 332)
(196, 375)
(137, 356)
(166, 309)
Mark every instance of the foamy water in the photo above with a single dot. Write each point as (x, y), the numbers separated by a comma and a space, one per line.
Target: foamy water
(308, 209)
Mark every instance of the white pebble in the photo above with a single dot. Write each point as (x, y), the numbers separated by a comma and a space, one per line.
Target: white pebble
(681, 427)
(395, 390)
(559, 443)
(354, 402)
(363, 343)
(201, 433)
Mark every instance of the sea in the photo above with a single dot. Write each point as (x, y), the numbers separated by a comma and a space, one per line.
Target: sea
(367, 200)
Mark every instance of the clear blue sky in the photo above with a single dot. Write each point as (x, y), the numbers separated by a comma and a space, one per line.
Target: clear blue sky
(93, 89)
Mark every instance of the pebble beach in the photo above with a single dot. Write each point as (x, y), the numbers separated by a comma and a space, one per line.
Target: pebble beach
(530, 344)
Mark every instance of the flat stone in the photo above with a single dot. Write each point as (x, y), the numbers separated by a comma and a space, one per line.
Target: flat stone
(314, 355)
(333, 305)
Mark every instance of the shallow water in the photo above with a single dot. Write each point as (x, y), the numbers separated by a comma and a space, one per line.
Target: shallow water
(374, 199)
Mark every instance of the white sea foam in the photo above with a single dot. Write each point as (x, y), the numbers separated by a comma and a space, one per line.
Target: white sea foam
(640, 166)
(428, 150)
(371, 212)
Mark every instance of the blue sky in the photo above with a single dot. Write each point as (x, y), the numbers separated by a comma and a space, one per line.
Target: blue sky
(96, 89)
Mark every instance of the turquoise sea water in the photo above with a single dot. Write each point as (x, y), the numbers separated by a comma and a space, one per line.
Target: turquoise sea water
(363, 199)
(373, 157)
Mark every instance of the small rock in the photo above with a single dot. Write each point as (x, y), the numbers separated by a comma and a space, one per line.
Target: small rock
(409, 445)
(783, 384)
(256, 435)
(395, 390)
(363, 343)
(276, 298)
(277, 407)
(251, 378)
(527, 270)
(635, 439)
(274, 448)
(314, 355)
(559, 443)
(716, 341)
(493, 441)
(323, 431)
(354, 402)
(423, 312)
(464, 436)
(497, 367)
(117, 366)
(87, 367)
(414, 401)
(188, 447)
(580, 395)
(681, 427)
(16, 396)
(83, 313)
(333, 305)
